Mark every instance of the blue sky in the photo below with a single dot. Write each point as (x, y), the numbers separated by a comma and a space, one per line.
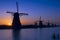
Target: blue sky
(47, 9)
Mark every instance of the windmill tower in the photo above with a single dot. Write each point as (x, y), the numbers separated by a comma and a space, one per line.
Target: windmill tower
(16, 20)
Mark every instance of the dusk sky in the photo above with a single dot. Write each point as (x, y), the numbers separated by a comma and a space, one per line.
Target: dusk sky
(47, 9)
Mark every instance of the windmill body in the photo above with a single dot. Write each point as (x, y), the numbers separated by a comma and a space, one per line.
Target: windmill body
(16, 21)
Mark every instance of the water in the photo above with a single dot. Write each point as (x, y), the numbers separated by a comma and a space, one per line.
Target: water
(31, 34)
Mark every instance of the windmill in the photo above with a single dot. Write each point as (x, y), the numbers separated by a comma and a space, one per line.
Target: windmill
(48, 24)
(40, 22)
(16, 20)
(16, 24)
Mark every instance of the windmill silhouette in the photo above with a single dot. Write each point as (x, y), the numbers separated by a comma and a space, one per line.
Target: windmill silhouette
(48, 24)
(16, 24)
(16, 20)
(40, 22)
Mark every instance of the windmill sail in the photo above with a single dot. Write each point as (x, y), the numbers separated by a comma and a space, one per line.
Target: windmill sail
(17, 5)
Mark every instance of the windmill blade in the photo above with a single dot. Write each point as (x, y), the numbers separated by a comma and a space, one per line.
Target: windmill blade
(17, 6)
(23, 14)
(10, 12)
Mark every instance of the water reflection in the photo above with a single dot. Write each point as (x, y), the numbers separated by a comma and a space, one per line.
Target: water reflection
(5, 34)
(30, 34)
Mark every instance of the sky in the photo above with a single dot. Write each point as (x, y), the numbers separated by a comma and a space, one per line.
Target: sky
(47, 9)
